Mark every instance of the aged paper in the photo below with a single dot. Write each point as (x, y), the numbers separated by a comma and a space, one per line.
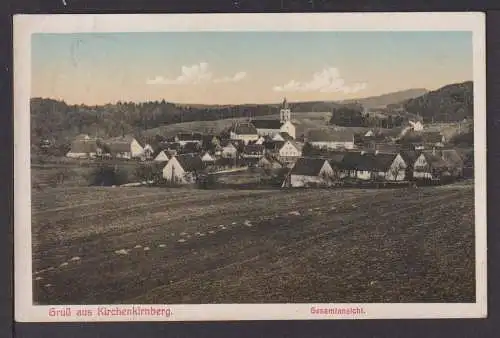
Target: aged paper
(250, 166)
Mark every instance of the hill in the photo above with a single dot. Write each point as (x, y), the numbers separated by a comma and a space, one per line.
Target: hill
(451, 103)
(384, 100)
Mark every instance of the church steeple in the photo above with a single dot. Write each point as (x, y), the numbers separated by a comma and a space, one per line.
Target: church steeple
(285, 113)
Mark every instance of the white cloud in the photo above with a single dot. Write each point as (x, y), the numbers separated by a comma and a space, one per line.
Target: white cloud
(235, 78)
(196, 74)
(326, 81)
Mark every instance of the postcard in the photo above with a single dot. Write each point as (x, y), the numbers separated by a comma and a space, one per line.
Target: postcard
(209, 167)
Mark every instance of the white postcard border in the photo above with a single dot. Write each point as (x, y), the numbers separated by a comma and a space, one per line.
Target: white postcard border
(25, 25)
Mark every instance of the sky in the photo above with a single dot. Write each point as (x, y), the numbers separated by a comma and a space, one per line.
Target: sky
(244, 67)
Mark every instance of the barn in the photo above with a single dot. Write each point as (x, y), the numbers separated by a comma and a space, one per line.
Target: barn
(430, 166)
(85, 148)
(124, 147)
(308, 172)
(330, 139)
(183, 169)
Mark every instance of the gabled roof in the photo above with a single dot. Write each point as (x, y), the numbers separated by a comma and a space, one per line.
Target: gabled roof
(450, 156)
(190, 162)
(273, 145)
(82, 146)
(308, 166)
(267, 124)
(120, 144)
(409, 156)
(325, 135)
(253, 148)
(435, 161)
(244, 128)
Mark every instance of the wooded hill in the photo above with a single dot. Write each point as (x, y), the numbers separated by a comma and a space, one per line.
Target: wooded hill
(450, 103)
(60, 122)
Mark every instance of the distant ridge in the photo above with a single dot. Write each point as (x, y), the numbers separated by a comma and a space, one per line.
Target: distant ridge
(382, 101)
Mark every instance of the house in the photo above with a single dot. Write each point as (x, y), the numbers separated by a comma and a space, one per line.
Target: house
(183, 169)
(371, 166)
(253, 151)
(453, 158)
(244, 131)
(183, 138)
(430, 166)
(85, 147)
(330, 139)
(161, 157)
(357, 165)
(308, 172)
(389, 167)
(290, 151)
(229, 151)
(269, 162)
(148, 151)
(369, 133)
(416, 125)
(208, 158)
(124, 147)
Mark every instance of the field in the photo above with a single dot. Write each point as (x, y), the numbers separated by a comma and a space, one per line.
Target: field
(94, 245)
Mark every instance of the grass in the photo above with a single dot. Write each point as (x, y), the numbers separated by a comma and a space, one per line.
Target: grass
(255, 246)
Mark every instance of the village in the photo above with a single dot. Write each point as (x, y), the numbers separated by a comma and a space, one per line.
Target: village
(320, 157)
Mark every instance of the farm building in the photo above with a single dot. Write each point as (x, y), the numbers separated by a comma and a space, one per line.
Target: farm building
(229, 151)
(330, 139)
(244, 131)
(183, 169)
(161, 157)
(269, 162)
(124, 147)
(430, 166)
(253, 151)
(85, 147)
(370, 166)
(183, 138)
(309, 172)
(290, 151)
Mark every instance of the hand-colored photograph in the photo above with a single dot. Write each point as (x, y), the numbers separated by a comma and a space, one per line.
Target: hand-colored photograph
(253, 167)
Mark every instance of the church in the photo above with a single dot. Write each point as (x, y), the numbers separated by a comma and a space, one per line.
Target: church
(273, 127)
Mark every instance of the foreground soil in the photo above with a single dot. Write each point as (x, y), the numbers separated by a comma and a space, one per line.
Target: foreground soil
(169, 246)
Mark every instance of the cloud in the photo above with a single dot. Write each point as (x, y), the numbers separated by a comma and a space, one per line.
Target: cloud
(235, 78)
(326, 81)
(196, 74)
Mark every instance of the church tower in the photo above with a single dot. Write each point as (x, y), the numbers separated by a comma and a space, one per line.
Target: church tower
(285, 113)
